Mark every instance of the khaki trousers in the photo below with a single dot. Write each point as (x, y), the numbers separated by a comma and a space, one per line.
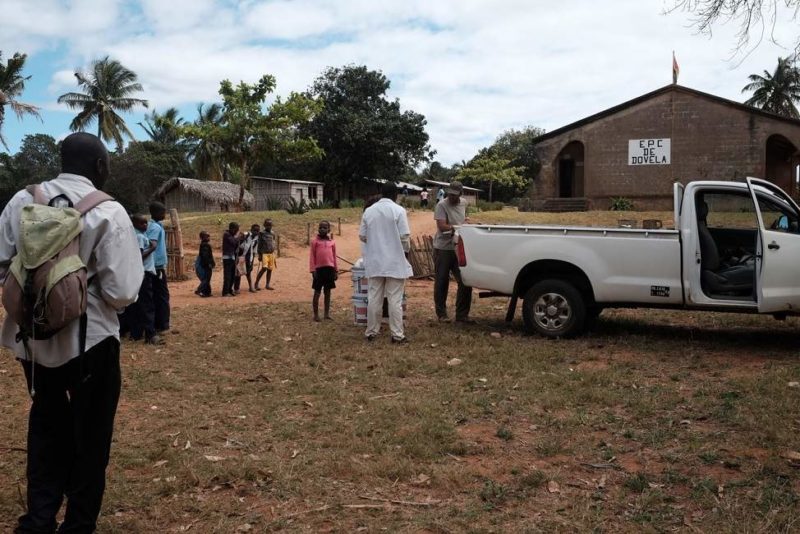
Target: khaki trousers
(392, 289)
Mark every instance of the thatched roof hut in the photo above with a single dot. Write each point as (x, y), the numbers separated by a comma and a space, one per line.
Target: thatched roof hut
(188, 194)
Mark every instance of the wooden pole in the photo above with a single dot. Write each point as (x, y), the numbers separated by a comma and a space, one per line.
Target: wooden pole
(308, 233)
(176, 224)
(340, 226)
(278, 246)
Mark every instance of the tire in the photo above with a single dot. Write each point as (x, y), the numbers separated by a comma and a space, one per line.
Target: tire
(554, 308)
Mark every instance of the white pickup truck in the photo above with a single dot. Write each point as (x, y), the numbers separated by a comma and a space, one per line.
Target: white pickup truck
(735, 247)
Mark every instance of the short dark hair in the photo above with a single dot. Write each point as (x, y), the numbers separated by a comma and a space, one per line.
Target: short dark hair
(389, 190)
(80, 154)
(138, 218)
(156, 208)
(233, 225)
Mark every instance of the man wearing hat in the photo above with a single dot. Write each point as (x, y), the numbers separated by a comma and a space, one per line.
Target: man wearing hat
(449, 213)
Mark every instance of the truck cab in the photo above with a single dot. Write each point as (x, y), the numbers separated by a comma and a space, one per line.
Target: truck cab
(740, 246)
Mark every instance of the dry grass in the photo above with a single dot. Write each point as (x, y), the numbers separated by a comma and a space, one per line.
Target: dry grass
(659, 421)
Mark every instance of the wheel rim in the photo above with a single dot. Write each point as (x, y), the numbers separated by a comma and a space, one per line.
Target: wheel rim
(552, 311)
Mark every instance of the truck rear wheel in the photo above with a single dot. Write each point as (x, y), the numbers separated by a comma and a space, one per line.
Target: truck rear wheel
(554, 308)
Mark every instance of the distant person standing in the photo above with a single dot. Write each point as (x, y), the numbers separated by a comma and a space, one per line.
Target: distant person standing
(423, 198)
(450, 212)
(324, 268)
(155, 232)
(75, 378)
(440, 194)
(385, 233)
(405, 190)
(230, 243)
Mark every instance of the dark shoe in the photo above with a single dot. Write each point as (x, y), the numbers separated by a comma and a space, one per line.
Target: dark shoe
(252, 290)
(443, 319)
(155, 340)
(370, 338)
(400, 340)
(258, 288)
(228, 295)
(271, 288)
(317, 319)
(465, 320)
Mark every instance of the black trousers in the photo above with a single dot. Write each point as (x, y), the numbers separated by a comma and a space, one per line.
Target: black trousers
(140, 316)
(228, 274)
(69, 439)
(161, 300)
(446, 262)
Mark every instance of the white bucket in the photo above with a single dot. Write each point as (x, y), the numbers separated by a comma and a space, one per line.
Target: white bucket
(360, 282)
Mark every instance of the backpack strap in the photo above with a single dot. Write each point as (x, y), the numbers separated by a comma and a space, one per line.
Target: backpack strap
(35, 190)
(91, 201)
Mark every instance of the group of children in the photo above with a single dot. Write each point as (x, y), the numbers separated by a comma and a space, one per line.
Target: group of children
(241, 252)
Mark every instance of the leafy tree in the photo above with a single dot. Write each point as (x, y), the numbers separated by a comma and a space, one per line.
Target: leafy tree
(140, 170)
(363, 133)
(38, 159)
(776, 92)
(206, 157)
(107, 88)
(491, 170)
(438, 172)
(519, 147)
(12, 84)
(247, 133)
(164, 127)
(751, 15)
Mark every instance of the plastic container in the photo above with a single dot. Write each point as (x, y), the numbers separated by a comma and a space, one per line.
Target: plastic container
(360, 311)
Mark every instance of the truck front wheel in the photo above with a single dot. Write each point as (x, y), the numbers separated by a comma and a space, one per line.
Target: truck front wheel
(554, 308)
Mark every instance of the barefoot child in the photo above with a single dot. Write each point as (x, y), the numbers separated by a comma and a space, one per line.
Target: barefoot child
(323, 267)
(266, 254)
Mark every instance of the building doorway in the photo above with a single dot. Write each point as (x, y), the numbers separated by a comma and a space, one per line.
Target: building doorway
(570, 170)
(782, 160)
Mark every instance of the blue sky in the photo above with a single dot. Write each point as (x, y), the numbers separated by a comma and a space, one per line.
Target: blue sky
(474, 68)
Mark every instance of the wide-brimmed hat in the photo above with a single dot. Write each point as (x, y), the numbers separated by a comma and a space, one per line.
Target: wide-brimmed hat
(455, 188)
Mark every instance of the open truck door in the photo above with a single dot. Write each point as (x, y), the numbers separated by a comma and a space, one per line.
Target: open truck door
(778, 249)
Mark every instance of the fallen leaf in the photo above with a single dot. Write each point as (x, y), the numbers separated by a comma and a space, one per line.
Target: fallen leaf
(295, 452)
(791, 455)
(308, 404)
(496, 335)
(686, 422)
(211, 458)
(421, 480)
(454, 362)
(434, 345)
(175, 443)
(794, 384)
(553, 487)
(287, 339)
(601, 484)
(160, 463)
(247, 527)
(188, 445)
(482, 380)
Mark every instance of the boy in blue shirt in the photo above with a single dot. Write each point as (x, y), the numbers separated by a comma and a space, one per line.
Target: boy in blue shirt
(141, 314)
(155, 232)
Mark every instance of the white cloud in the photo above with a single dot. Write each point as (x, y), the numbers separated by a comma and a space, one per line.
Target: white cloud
(472, 67)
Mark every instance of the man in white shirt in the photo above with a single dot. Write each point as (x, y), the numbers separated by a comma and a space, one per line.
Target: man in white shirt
(385, 233)
(72, 414)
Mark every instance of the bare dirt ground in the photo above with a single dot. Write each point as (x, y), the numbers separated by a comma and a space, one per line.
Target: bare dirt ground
(291, 279)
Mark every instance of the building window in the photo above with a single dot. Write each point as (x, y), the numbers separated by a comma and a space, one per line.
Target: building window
(312, 192)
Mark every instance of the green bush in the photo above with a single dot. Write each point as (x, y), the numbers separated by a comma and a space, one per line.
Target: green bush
(274, 203)
(490, 206)
(621, 204)
(293, 207)
(320, 204)
(357, 203)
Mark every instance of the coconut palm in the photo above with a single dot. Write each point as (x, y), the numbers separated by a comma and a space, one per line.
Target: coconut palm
(107, 89)
(776, 92)
(207, 158)
(164, 127)
(12, 84)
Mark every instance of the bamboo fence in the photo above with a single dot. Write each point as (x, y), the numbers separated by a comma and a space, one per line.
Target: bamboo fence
(176, 268)
(421, 256)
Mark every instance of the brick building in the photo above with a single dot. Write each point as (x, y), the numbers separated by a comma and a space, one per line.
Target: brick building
(639, 148)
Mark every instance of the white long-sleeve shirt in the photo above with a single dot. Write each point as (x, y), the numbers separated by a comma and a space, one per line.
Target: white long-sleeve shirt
(384, 228)
(108, 248)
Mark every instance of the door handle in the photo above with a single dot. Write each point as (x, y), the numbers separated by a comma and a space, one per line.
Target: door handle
(773, 246)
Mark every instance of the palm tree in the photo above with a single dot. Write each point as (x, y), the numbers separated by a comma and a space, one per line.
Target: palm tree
(164, 127)
(12, 84)
(776, 92)
(107, 88)
(207, 158)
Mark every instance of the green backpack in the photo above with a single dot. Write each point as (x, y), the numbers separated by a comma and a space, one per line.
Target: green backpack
(46, 286)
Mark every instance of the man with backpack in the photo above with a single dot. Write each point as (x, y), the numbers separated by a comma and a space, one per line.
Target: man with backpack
(66, 333)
